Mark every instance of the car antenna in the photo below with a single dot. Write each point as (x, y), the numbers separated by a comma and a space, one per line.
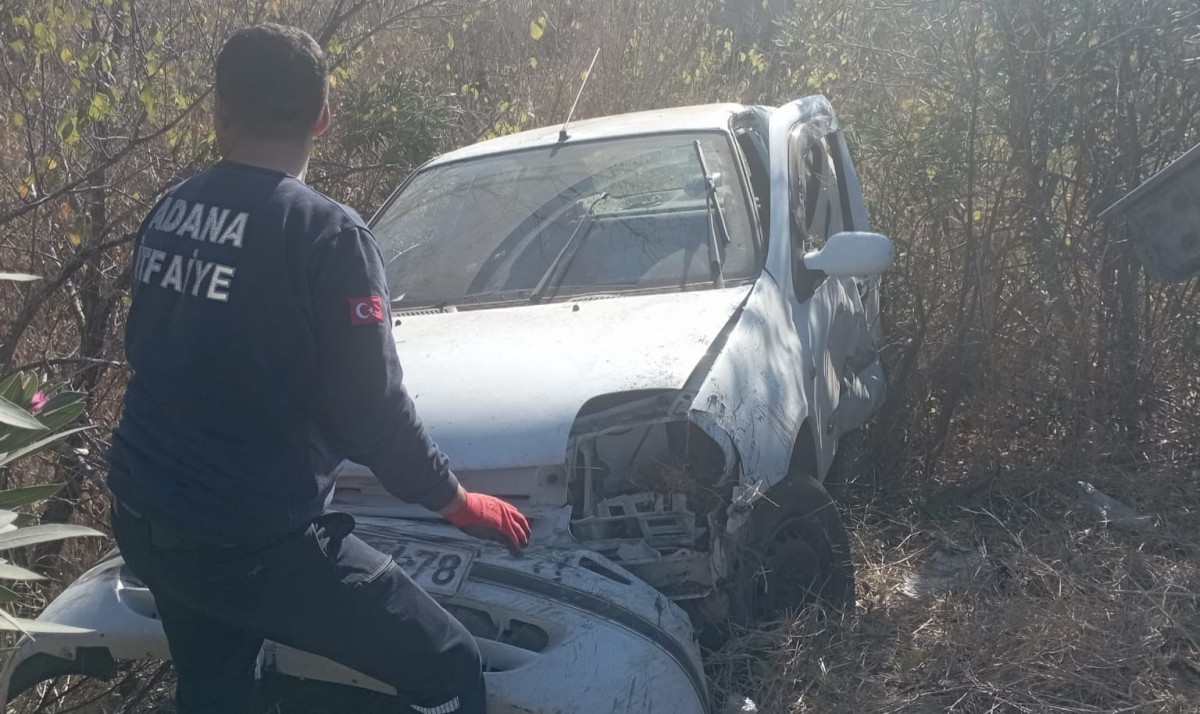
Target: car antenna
(562, 133)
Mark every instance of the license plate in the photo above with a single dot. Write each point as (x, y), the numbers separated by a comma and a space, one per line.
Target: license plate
(439, 569)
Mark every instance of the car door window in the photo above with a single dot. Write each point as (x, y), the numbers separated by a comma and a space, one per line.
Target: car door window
(848, 194)
(811, 175)
(822, 202)
(839, 207)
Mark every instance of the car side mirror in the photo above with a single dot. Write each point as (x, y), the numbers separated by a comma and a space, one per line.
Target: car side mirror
(852, 254)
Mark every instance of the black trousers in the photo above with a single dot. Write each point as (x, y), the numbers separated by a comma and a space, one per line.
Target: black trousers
(320, 590)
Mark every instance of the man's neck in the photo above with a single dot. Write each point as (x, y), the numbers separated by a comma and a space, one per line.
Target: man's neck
(288, 157)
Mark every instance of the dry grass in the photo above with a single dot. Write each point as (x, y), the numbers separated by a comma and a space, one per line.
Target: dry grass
(1065, 614)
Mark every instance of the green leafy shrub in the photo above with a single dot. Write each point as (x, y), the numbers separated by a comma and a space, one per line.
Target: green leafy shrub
(30, 421)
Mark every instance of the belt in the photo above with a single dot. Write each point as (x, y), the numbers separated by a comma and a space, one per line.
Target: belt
(164, 536)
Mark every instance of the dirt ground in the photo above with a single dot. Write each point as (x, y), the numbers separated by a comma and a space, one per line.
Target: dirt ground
(1049, 610)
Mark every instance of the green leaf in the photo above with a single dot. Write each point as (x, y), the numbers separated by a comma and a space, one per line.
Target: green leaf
(37, 445)
(7, 595)
(19, 277)
(146, 95)
(99, 107)
(537, 27)
(10, 387)
(29, 387)
(9, 623)
(62, 409)
(68, 130)
(7, 517)
(13, 415)
(44, 34)
(18, 387)
(17, 497)
(46, 533)
(8, 571)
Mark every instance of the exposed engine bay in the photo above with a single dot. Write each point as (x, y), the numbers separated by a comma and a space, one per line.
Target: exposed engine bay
(649, 491)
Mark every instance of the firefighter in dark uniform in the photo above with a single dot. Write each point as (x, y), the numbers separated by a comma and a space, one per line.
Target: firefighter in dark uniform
(260, 341)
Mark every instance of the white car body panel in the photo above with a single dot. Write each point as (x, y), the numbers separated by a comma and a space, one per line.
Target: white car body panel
(501, 388)
(751, 392)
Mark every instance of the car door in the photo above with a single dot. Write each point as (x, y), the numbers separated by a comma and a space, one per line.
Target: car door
(855, 386)
(856, 215)
(827, 313)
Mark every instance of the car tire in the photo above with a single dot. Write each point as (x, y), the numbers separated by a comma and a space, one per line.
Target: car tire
(797, 554)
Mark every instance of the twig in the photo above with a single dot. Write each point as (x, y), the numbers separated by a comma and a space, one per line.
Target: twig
(153, 680)
(135, 671)
(91, 361)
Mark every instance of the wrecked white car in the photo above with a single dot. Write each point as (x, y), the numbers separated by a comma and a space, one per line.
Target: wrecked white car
(646, 331)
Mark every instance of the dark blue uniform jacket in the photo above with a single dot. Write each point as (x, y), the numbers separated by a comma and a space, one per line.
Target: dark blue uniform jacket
(260, 341)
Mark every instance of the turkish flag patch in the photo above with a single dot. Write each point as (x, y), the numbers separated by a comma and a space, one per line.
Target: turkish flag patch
(366, 310)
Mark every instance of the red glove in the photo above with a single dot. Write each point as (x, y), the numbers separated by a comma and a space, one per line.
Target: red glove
(490, 518)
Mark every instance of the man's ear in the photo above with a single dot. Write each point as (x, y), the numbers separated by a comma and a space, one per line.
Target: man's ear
(223, 126)
(323, 121)
(220, 112)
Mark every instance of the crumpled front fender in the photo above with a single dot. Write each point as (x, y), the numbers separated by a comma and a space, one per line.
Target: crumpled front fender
(114, 621)
(620, 643)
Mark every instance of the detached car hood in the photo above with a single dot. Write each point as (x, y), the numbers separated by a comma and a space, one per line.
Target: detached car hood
(557, 614)
(500, 387)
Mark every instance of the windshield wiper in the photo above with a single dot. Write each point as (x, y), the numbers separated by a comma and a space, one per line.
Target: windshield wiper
(557, 271)
(715, 218)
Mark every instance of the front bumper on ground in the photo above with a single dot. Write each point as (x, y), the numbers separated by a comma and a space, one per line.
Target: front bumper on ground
(560, 629)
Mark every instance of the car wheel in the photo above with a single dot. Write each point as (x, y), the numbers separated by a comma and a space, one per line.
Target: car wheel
(798, 554)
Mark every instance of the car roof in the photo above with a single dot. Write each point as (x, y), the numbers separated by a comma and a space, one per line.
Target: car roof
(694, 118)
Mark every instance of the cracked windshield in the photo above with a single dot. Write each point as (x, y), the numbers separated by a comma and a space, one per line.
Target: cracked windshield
(657, 213)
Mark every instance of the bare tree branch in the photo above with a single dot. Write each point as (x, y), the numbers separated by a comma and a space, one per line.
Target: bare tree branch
(122, 153)
(35, 302)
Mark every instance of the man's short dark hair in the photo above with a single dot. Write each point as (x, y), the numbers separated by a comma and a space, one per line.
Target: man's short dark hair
(273, 79)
